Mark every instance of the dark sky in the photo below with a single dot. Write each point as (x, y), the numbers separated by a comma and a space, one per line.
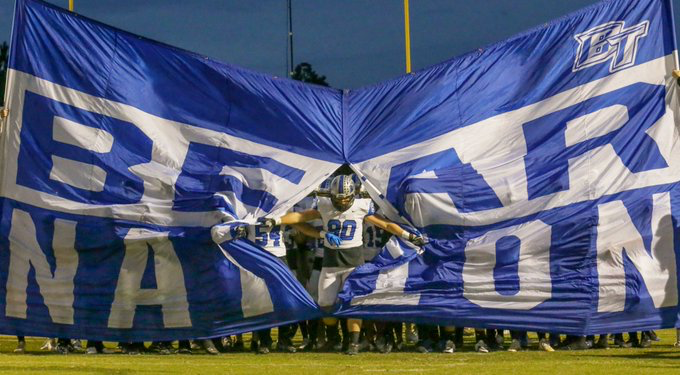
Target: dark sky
(353, 42)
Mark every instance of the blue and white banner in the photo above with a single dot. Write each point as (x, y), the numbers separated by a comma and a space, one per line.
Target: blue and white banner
(545, 171)
(119, 154)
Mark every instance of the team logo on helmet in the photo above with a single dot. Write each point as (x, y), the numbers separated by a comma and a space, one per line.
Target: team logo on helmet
(342, 192)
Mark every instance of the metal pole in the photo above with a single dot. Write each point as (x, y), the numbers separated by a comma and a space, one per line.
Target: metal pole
(407, 32)
(70, 5)
(290, 39)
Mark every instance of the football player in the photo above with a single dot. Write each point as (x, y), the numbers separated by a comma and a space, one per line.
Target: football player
(271, 239)
(343, 218)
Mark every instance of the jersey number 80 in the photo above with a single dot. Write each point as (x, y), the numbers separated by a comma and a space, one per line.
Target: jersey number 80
(343, 229)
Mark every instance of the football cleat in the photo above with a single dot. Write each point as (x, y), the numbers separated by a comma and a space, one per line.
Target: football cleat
(449, 347)
(352, 349)
(21, 347)
(480, 347)
(544, 345)
(515, 346)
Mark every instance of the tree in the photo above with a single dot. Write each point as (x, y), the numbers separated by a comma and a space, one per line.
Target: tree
(4, 48)
(304, 72)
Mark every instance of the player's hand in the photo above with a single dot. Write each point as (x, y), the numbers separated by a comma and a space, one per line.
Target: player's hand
(267, 223)
(333, 239)
(239, 230)
(414, 236)
(417, 239)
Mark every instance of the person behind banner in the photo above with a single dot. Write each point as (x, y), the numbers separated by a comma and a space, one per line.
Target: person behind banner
(343, 216)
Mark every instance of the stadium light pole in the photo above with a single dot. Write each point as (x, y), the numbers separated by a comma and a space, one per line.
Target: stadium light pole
(289, 61)
(407, 34)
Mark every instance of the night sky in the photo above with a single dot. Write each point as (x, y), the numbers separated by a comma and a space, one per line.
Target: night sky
(352, 42)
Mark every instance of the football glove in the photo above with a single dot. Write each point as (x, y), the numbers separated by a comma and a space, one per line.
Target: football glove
(268, 223)
(414, 238)
(229, 231)
(239, 230)
(332, 239)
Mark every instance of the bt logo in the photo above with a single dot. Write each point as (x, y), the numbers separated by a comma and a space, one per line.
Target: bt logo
(610, 41)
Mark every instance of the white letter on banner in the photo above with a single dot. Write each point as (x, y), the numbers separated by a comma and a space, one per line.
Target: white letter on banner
(616, 233)
(56, 289)
(171, 293)
(535, 283)
(71, 172)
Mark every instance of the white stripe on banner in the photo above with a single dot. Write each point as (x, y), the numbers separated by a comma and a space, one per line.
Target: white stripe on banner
(171, 141)
(496, 147)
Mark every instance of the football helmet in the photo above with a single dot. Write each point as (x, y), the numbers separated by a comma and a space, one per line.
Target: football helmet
(324, 189)
(342, 192)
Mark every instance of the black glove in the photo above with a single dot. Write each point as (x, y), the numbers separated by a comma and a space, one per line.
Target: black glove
(416, 239)
(267, 223)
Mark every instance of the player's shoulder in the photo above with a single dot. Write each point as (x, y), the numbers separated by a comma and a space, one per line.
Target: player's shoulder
(364, 204)
(324, 202)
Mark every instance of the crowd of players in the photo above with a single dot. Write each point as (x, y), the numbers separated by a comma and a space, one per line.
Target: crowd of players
(322, 240)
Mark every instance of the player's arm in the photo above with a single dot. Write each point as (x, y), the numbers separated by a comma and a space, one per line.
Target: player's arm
(395, 229)
(293, 218)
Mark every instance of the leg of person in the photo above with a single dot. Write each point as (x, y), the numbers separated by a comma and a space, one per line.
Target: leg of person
(459, 337)
(447, 339)
(285, 340)
(184, 347)
(633, 339)
(345, 335)
(239, 346)
(575, 343)
(138, 347)
(313, 330)
(555, 340)
(208, 346)
(677, 338)
(382, 341)
(368, 332)
(330, 283)
(64, 345)
(411, 334)
(602, 342)
(398, 330)
(354, 328)
(543, 343)
(21, 345)
(94, 347)
(524, 340)
(304, 331)
(653, 336)
(264, 337)
(645, 339)
(425, 338)
(620, 342)
(480, 339)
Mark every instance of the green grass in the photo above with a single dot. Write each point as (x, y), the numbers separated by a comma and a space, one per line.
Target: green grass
(661, 358)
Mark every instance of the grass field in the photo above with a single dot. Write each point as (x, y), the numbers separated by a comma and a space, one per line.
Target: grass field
(661, 358)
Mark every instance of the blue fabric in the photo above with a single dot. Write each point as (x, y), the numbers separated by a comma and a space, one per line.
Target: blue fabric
(424, 143)
(543, 171)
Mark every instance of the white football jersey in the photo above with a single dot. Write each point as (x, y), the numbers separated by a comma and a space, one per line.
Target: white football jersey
(348, 225)
(272, 241)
